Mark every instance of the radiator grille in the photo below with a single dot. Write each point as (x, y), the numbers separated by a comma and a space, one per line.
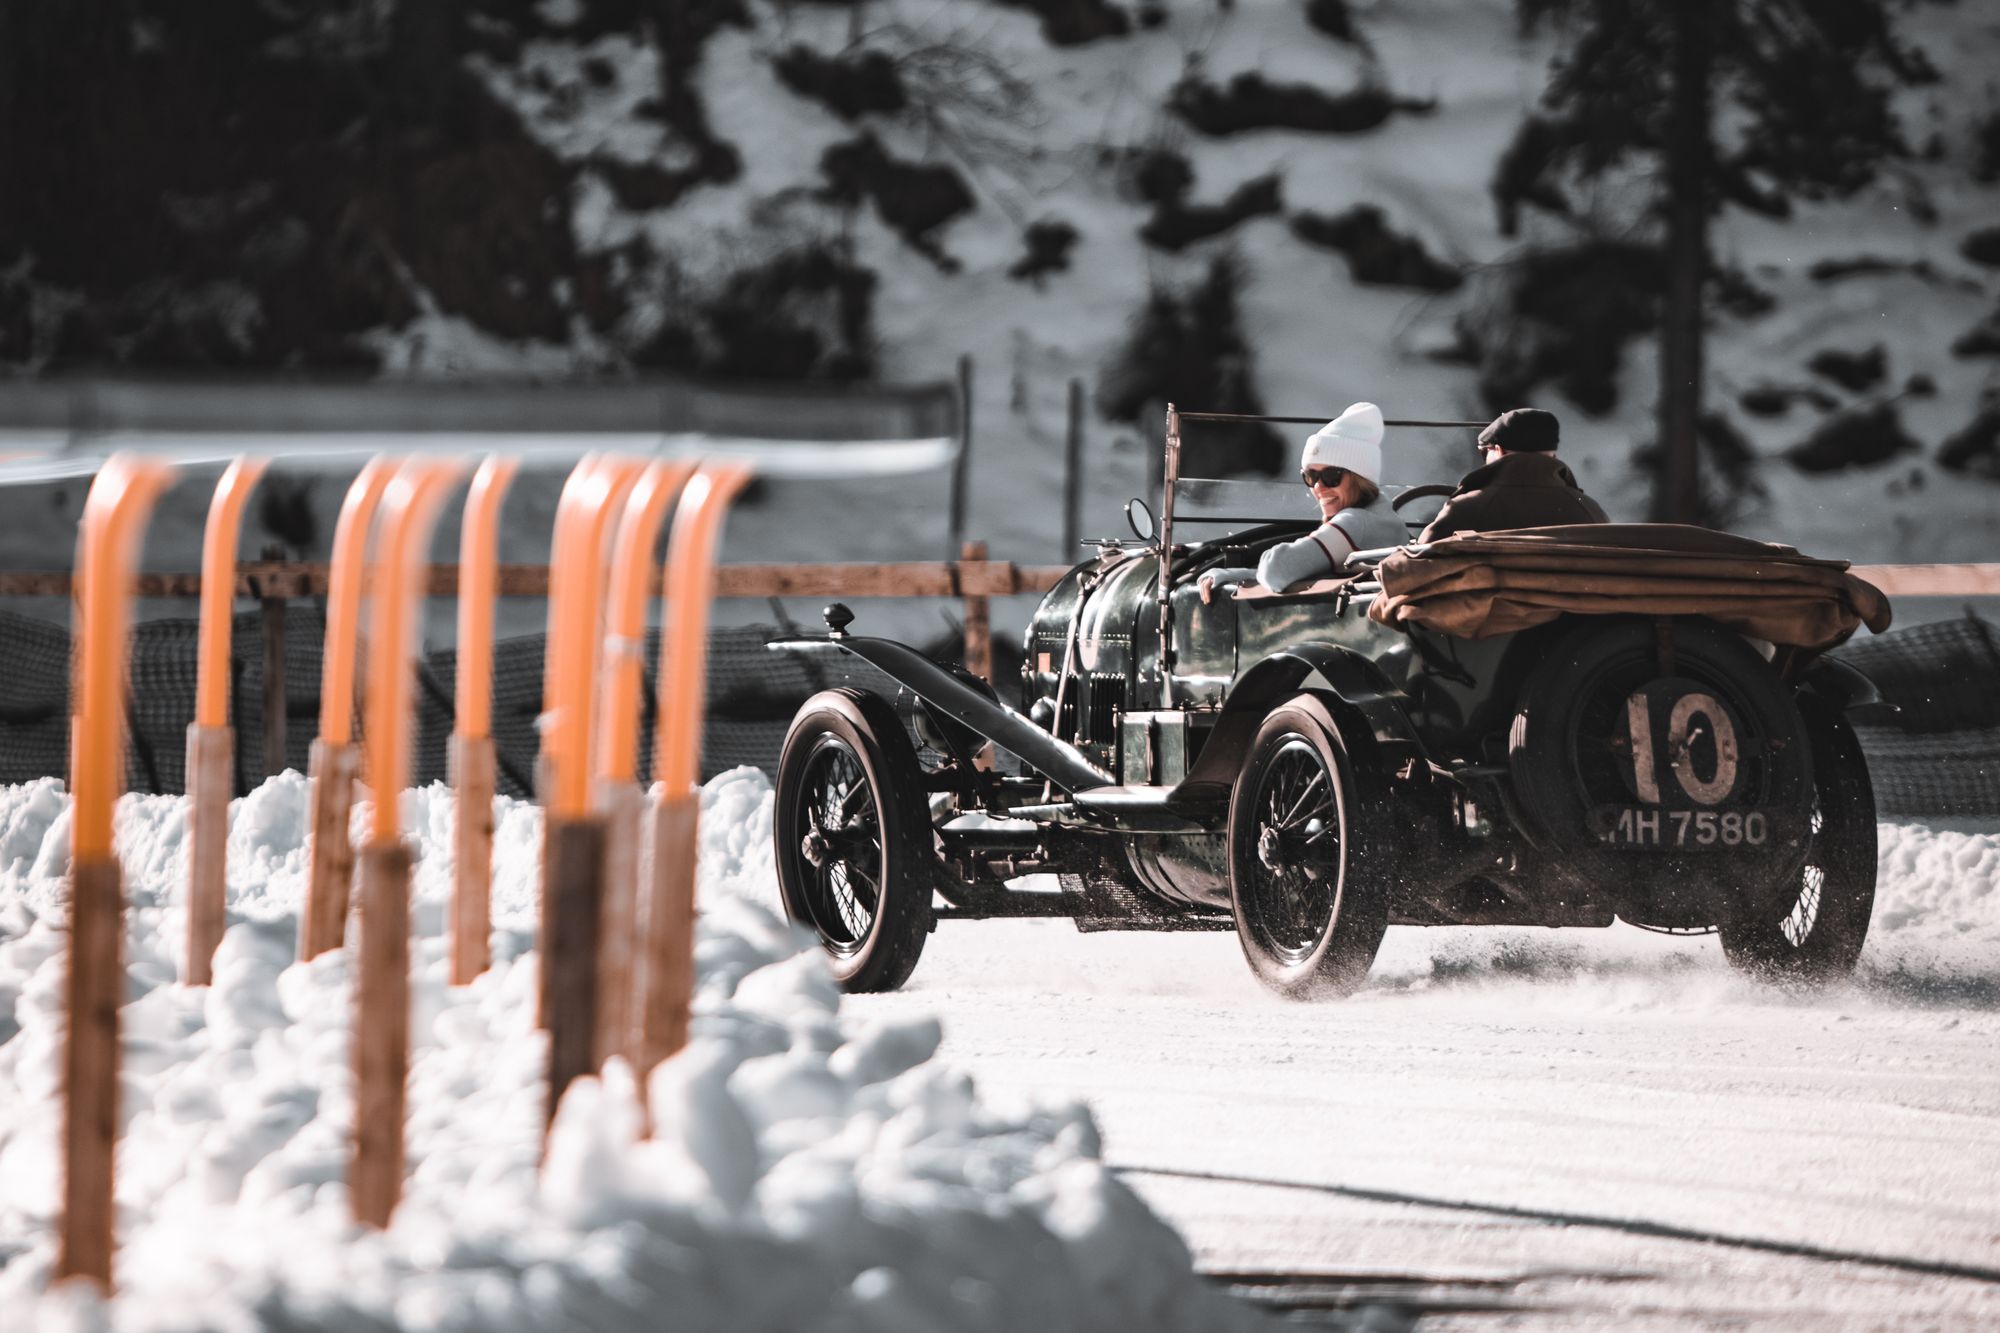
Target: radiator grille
(1100, 698)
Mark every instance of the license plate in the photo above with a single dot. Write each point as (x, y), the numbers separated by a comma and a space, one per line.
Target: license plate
(1646, 827)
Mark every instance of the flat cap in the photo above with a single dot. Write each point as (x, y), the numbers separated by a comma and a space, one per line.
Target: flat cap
(1523, 428)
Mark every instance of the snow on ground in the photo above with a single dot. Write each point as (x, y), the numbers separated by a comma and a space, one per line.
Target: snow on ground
(1518, 1128)
(803, 1172)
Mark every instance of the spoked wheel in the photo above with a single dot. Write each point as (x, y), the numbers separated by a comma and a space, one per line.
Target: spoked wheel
(1810, 929)
(1305, 878)
(853, 838)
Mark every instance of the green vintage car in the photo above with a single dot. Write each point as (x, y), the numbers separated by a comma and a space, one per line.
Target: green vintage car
(1557, 728)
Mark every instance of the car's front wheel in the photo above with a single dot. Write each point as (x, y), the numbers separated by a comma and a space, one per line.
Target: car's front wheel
(1810, 928)
(854, 837)
(1306, 873)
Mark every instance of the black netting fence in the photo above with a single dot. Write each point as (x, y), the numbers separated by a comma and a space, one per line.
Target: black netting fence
(1941, 754)
(1944, 676)
(752, 694)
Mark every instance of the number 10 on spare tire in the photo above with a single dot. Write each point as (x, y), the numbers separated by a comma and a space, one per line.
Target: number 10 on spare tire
(1681, 747)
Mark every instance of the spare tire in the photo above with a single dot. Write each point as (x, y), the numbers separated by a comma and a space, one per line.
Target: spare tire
(1662, 763)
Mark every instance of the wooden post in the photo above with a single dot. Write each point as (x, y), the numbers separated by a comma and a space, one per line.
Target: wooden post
(574, 851)
(273, 613)
(211, 759)
(90, 1068)
(978, 622)
(955, 536)
(474, 774)
(624, 806)
(1073, 472)
(381, 1032)
(331, 770)
(667, 973)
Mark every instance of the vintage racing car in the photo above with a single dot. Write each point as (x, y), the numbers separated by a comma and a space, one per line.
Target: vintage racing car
(1561, 727)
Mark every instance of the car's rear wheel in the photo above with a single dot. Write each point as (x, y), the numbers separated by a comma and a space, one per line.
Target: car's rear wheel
(854, 838)
(1810, 929)
(1306, 878)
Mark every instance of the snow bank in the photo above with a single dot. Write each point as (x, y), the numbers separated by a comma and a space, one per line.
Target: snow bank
(1937, 911)
(802, 1172)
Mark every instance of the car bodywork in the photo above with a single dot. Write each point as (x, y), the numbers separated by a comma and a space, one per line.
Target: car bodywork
(1145, 700)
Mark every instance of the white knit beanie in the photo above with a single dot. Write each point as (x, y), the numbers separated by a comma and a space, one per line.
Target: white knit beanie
(1352, 440)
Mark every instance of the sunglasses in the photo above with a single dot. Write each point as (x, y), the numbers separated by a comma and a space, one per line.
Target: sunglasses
(1323, 476)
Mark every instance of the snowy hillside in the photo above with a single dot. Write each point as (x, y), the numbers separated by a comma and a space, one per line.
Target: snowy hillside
(835, 190)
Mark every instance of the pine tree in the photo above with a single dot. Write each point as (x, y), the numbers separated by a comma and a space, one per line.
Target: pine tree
(1706, 104)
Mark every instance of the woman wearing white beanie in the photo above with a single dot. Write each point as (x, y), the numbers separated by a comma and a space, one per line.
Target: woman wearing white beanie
(1342, 466)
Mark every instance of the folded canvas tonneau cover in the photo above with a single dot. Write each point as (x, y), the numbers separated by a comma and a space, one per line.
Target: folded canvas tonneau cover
(1476, 585)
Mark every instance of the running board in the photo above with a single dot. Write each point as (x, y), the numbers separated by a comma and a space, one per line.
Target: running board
(1135, 809)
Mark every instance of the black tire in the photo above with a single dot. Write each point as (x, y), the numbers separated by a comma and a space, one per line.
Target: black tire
(854, 837)
(1310, 909)
(1810, 931)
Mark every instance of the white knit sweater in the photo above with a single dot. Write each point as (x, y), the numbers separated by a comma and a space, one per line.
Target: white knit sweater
(1324, 550)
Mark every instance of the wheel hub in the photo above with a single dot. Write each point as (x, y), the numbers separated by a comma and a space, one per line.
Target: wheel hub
(1271, 849)
(815, 848)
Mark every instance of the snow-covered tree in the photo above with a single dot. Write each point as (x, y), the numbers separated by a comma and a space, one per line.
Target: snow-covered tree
(1701, 105)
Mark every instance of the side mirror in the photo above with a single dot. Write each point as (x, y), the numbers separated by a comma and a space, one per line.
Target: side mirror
(1139, 516)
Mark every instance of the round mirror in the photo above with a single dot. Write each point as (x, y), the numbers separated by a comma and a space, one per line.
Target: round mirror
(1140, 516)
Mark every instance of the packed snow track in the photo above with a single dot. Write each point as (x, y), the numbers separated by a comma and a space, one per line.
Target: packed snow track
(1543, 1129)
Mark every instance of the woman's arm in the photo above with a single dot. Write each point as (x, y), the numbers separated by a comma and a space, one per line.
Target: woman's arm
(1316, 555)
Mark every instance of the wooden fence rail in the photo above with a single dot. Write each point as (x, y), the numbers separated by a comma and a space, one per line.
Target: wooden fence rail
(924, 578)
(932, 578)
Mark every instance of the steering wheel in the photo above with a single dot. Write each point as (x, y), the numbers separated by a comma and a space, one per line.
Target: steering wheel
(1424, 492)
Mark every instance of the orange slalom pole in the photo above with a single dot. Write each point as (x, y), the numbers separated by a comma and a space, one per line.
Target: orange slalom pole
(381, 1039)
(625, 623)
(335, 761)
(619, 796)
(114, 517)
(667, 972)
(624, 481)
(570, 512)
(211, 741)
(472, 759)
(591, 497)
(573, 835)
(343, 598)
(409, 508)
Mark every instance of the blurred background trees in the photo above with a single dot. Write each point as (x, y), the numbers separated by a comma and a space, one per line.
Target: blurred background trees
(1694, 106)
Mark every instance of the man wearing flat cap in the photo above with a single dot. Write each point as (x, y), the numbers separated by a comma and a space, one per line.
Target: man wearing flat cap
(1521, 484)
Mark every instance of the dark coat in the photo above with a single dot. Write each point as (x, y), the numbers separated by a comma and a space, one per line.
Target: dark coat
(1525, 490)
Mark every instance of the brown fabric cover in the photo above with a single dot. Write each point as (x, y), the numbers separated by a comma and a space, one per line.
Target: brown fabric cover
(1477, 585)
